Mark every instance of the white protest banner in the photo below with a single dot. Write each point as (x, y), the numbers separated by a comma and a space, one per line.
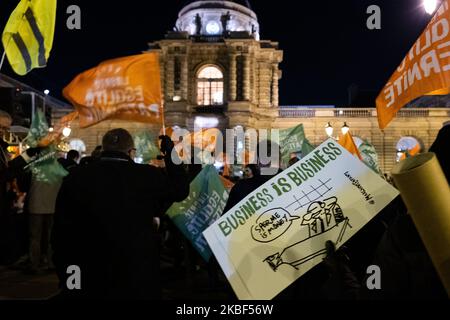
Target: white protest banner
(278, 232)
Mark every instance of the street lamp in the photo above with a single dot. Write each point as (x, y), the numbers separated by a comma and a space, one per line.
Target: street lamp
(345, 128)
(46, 92)
(66, 132)
(430, 6)
(329, 129)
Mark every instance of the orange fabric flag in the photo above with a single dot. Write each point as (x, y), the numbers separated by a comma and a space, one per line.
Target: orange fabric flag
(126, 88)
(411, 153)
(56, 135)
(67, 119)
(205, 139)
(425, 70)
(348, 143)
(226, 183)
(415, 151)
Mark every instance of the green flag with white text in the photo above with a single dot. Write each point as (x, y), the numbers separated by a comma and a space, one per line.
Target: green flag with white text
(203, 206)
(291, 141)
(45, 167)
(38, 129)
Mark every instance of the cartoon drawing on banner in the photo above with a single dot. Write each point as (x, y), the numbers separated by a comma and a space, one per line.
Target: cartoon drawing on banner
(322, 216)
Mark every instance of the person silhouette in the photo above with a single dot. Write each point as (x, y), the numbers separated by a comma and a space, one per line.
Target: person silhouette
(198, 24)
(225, 18)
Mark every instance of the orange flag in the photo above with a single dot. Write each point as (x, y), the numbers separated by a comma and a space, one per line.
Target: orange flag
(205, 139)
(126, 88)
(424, 71)
(411, 153)
(226, 183)
(69, 118)
(348, 143)
(56, 135)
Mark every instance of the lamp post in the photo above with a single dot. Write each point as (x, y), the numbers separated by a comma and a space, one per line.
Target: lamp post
(329, 130)
(66, 131)
(345, 128)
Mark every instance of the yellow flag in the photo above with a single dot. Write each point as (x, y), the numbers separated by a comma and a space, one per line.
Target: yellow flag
(28, 35)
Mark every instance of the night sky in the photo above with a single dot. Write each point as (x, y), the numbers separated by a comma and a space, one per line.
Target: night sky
(327, 46)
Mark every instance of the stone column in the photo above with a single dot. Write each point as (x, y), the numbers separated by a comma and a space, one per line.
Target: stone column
(162, 63)
(169, 78)
(246, 84)
(265, 77)
(233, 80)
(184, 78)
(254, 84)
(275, 95)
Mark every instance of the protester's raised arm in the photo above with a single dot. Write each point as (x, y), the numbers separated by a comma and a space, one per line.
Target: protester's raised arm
(178, 184)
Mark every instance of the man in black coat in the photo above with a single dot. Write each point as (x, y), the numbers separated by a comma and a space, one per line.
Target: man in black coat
(103, 221)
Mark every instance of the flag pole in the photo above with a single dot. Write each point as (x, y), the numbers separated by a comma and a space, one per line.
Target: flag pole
(163, 117)
(3, 60)
(6, 48)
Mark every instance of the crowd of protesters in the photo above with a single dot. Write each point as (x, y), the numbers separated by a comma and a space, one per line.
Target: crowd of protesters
(107, 217)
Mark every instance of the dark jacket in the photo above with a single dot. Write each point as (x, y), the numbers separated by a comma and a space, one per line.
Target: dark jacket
(103, 224)
(243, 188)
(67, 164)
(8, 171)
(441, 147)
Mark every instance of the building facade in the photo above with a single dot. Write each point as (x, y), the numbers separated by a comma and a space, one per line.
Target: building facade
(217, 72)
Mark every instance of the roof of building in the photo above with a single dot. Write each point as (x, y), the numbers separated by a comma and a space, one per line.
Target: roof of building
(245, 3)
(8, 82)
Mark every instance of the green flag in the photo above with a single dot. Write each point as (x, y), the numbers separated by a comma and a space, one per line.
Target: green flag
(291, 141)
(38, 129)
(369, 156)
(205, 204)
(146, 147)
(307, 148)
(45, 168)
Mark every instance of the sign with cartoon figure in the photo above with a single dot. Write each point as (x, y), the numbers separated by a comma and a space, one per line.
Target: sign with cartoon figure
(278, 232)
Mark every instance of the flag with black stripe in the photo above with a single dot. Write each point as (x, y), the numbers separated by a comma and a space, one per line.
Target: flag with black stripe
(28, 35)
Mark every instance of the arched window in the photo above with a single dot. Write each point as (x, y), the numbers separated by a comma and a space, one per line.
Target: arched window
(408, 147)
(210, 86)
(78, 145)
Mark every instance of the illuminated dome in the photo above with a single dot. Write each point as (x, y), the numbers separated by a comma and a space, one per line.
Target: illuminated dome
(215, 18)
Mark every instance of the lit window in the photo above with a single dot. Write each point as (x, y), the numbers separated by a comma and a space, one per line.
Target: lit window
(210, 86)
(78, 145)
(408, 147)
